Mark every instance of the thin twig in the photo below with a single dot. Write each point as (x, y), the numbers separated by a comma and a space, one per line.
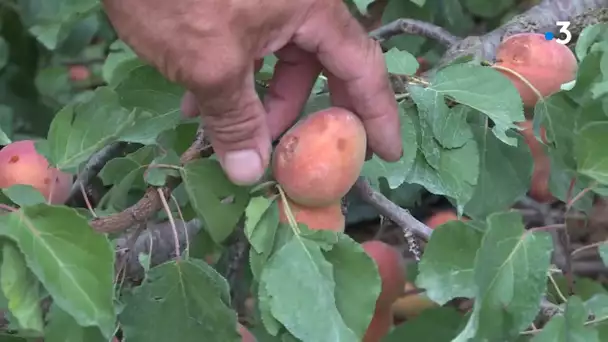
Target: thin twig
(165, 205)
(414, 27)
(387, 208)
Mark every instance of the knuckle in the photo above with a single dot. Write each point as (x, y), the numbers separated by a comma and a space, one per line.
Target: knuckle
(235, 124)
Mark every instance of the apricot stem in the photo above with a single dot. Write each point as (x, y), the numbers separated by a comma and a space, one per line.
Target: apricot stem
(290, 216)
(523, 79)
(8, 208)
(261, 186)
(163, 200)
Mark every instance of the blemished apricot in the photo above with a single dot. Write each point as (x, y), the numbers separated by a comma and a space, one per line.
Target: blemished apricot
(329, 217)
(539, 185)
(441, 217)
(391, 269)
(79, 73)
(411, 305)
(546, 64)
(319, 159)
(20, 163)
(246, 334)
(380, 325)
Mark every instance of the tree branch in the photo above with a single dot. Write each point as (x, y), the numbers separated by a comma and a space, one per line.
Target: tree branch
(150, 203)
(157, 240)
(93, 167)
(537, 19)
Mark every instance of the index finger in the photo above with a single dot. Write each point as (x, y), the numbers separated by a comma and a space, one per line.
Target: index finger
(356, 62)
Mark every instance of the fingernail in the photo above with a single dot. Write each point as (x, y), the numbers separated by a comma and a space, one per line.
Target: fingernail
(243, 167)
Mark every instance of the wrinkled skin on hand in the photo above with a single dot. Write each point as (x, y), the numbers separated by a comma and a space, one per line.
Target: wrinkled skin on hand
(209, 46)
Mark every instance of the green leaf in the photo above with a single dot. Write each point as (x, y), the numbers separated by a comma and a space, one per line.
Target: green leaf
(358, 283)
(51, 21)
(163, 166)
(485, 90)
(447, 266)
(281, 234)
(296, 295)
(589, 36)
(24, 195)
(261, 223)
(425, 327)
(362, 4)
(504, 174)
(216, 200)
(81, 129)
(4, 53)
(184, 298)
(127, 173)
(449, 125)
(120, 62)
(157, 99)
(456, 175)
(400, 62)
(511, 277)
(570, 326)
(598, 306)
(395, 173)
(591, 158)
(603, 250)
(557, 115)
(560, 180)
(74, 263)
(6, 123)
(21, 288)
(63, 328)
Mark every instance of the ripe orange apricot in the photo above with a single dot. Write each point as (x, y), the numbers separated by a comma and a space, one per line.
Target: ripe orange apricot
(79, 73)
(539, 185)
(319, 159)
(246, 334)
(20, 163)
(441, 217)
(380, 325)
(316, 218)
(546, 64)
(391, 269)
(411, 305)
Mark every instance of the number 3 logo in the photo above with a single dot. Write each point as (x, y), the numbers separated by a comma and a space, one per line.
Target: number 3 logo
(563, 28)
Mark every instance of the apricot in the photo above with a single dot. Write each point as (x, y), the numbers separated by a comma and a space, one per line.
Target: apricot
(441, 217)
(20, 163)
(411, 305)
(246, 334)
(391, 270)
(380, 325)
(79, 73)
(423, 65)
(319, 159)
(316, 218)
(539, 185)
(545, 64)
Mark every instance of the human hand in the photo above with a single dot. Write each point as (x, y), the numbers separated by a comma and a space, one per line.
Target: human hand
(209, 46)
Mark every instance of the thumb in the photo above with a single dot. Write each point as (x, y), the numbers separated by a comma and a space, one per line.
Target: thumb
(234, 121)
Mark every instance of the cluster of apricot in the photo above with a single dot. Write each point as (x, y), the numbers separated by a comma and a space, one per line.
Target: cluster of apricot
(537, 67)
(316, 162)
